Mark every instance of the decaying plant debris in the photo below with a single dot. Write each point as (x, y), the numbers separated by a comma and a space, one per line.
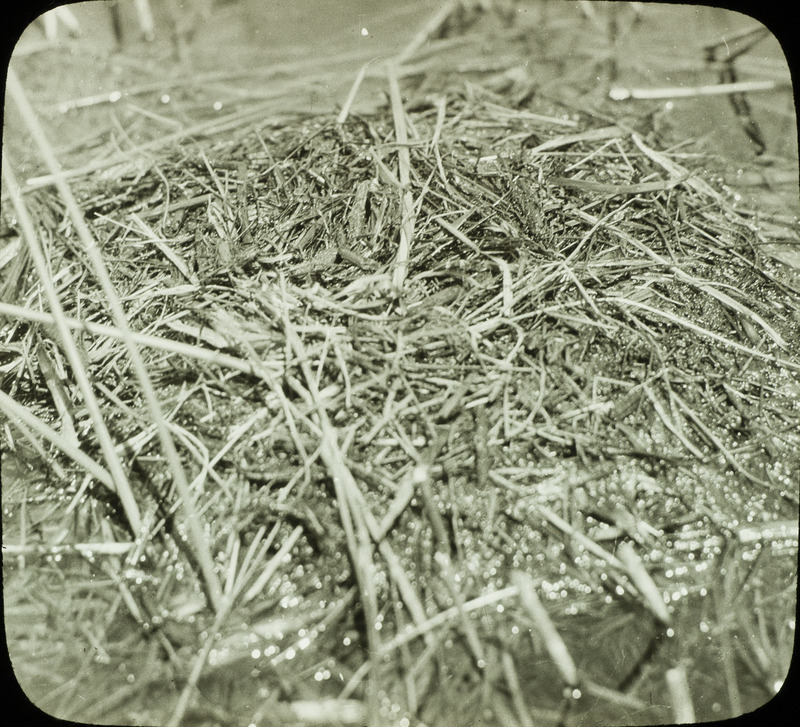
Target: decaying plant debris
(452, 384)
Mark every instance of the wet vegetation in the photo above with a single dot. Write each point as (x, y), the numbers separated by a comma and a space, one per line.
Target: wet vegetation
(471, 407)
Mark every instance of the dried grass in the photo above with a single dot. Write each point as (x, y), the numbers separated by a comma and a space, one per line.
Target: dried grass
(416, 366)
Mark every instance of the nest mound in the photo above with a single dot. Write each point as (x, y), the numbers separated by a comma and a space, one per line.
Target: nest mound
(419, 366)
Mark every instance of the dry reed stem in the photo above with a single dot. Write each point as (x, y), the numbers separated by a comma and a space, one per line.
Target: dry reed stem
(323, 712)
(653, 597)
(680, 695)
(167, 345)
(352, 516)
(407, 215)
(168, 447)
(16, 412)
(409, 633)
(612, 696)
(54, 376)
(91, 549)
(200, 129)
(618, 93)
(517, 696)
(428, 30)
(116, 478)
(552, 639)
(270, 569)
(345, 111)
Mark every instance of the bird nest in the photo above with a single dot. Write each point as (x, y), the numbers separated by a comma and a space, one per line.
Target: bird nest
(405, 410)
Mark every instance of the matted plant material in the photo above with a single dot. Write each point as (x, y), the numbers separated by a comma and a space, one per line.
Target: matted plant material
(468, 398)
